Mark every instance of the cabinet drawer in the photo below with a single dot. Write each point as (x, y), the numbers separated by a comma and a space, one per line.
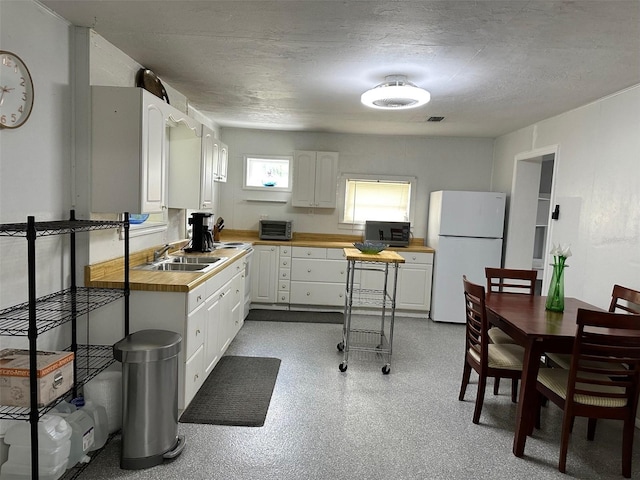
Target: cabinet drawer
(317, 293)
(283, 285)
(284, 274)
(285, 251)
(283, 297)
(415, 257)
(309, 252)
(336, 254)
(196, 297)
(319, 271)
(285, 262)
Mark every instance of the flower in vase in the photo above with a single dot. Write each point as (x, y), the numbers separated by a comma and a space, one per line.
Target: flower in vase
(560, 253)
(555, 298)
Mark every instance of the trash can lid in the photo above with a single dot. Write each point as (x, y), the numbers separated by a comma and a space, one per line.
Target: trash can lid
(147, 346)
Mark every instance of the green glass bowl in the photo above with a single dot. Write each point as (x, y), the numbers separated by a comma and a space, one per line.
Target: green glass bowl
(369, 247)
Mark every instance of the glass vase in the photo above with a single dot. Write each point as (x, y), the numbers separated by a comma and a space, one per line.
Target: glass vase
(555, 297)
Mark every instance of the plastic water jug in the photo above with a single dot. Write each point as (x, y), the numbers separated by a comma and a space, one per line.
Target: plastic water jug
(82, 435)
(106, 390)
(99, 416)
(54, 445)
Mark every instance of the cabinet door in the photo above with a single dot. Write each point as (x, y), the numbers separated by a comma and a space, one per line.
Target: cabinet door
(264, 274)
(195, 329)
(414, 287)
(326, 181)
(304, 177)
(213, 333)
(193, 377)
(237, 302)
(153, 157)
(207, 188)
(223, 163)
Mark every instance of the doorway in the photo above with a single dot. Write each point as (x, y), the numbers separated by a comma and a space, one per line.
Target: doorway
(530, 212)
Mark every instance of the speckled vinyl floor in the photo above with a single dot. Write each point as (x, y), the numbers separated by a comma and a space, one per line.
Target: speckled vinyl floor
(324, 424)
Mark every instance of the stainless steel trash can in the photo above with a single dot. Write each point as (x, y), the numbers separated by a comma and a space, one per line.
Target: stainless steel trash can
(149, 398)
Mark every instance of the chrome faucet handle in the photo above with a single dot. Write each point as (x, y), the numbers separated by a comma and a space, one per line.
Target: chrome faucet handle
(159, 253)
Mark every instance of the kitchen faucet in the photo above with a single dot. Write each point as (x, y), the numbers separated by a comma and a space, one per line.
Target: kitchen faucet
(158, 253)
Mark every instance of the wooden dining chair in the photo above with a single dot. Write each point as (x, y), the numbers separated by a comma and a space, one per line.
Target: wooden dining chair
(508, 280)
(487, 359)
(623, 300)
(598, 390)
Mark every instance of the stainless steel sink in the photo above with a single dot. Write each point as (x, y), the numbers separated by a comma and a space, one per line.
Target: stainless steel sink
(183, 264)
(195, 260)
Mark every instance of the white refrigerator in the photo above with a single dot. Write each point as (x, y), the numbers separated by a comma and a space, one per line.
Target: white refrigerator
(465, 229)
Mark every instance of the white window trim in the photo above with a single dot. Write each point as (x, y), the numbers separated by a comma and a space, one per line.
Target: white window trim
(357, 176)
(289, 158)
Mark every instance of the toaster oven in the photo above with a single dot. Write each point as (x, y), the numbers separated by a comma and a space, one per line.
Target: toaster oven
(275, 230)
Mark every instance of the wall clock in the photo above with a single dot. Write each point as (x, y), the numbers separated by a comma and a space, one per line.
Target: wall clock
(16, 91)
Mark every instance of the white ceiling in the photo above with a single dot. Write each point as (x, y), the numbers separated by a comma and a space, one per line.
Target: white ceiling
(491, 66)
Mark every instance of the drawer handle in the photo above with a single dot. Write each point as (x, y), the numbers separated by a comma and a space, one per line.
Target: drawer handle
(198, 298)
(308, 253)
(197, 332)
(284, 263)
(308, 270)
(308, 294)
(195, 377)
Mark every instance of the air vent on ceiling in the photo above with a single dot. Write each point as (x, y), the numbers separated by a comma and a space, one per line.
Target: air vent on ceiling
(435, 119)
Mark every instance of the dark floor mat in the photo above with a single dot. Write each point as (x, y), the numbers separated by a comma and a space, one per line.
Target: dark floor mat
(294, 316)
(237, 392)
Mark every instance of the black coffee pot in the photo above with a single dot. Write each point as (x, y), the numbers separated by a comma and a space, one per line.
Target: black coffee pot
(202, 236)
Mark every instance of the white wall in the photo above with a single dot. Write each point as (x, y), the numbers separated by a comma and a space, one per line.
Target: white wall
(597, 185)
(35, 159)
(437, 162)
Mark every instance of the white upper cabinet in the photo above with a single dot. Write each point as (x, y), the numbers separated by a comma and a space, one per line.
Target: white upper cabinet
(133, 134)
(315, 179)
(128, 151)
(191, 167)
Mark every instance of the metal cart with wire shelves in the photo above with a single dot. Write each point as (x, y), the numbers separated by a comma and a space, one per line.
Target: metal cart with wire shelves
(378, 341)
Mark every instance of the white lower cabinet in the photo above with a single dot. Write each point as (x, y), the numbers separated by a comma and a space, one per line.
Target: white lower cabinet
(264, 274)
(314, 276)
(318, 276)
(207, 317)
(414, 282)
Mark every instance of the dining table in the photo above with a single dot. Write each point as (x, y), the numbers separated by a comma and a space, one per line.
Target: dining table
(525, 319)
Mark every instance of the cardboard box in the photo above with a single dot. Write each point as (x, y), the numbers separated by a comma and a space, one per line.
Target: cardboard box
(55, 376)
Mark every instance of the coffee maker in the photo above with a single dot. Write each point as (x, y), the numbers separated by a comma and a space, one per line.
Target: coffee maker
(201, 236)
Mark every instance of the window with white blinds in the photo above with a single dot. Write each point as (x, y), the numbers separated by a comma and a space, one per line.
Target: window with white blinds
(371, 198)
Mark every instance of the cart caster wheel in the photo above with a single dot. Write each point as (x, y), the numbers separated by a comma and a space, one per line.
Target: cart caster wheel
(386, 369)
(343, 367)
(340, 346)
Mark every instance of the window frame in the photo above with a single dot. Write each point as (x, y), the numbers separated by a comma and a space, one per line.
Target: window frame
(245, 169)
(342, 187)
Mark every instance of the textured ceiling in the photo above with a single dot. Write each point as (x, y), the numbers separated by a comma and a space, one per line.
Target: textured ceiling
(491, 66)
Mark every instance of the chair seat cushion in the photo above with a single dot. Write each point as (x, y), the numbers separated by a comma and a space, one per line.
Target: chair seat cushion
(556, 379)
(498, 336)
(507, 356)
(563, 360)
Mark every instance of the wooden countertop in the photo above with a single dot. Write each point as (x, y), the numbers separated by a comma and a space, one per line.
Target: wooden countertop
(110, 274)
(319, 240)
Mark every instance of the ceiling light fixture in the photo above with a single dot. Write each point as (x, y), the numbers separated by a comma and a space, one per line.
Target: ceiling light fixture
(396, 93)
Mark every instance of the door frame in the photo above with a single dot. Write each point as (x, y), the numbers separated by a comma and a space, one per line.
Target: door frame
(523, 203)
